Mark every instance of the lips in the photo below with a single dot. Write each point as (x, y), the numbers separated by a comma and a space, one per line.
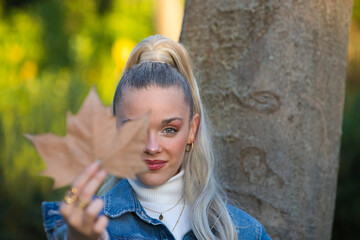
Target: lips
(155, 164)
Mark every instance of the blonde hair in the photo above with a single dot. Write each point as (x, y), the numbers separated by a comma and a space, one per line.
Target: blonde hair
(209, 218)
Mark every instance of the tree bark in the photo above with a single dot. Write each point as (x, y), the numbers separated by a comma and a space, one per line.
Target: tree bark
(272, 74)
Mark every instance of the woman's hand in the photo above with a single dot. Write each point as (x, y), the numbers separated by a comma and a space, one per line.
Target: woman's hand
(81, 214)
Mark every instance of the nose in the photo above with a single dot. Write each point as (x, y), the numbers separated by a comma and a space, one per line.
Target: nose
(152, 145)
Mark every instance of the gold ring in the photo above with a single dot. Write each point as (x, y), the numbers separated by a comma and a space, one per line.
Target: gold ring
(72, 190)
(70, 199)
(70, 196)
(81, 204)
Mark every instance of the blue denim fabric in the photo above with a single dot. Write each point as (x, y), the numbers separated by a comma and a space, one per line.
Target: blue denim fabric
(54, 224)
(128, 220)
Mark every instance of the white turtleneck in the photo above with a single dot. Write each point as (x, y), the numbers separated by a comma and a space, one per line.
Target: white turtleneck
(165, 197)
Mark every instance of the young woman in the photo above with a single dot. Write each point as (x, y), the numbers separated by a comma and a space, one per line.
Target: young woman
(179, 197)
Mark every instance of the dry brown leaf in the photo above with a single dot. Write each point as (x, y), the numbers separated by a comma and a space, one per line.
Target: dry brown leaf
(92, 135)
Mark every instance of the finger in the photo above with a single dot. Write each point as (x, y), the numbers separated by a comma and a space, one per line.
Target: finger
(91, 186)
(68, 201)
(84, 177)
(85, 217)
(92, 211)
(65, 210)
(71, 214)
(100, 224)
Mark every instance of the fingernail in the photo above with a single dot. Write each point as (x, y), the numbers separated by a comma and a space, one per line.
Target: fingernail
(94, 165)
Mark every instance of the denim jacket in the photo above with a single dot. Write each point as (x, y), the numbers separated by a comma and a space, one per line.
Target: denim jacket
(128, 220)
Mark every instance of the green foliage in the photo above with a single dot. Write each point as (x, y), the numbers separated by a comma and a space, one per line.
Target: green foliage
(347, 211)
(52, 53)
(356, 11)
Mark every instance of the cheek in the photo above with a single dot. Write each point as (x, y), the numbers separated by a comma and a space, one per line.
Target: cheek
(175, 146)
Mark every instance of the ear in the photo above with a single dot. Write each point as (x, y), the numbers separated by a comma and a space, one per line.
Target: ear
(194, 125)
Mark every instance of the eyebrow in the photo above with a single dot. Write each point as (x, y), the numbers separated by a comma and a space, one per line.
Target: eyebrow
(165, 121)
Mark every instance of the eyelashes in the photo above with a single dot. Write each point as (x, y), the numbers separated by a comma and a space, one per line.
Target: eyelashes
(169, 131)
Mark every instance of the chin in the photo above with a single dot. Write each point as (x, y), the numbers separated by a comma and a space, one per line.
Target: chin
(152, 179)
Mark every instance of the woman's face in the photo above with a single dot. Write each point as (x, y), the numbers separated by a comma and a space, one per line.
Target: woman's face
(170, 129)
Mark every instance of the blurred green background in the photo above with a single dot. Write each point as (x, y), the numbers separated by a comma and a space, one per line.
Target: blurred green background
(53, 51)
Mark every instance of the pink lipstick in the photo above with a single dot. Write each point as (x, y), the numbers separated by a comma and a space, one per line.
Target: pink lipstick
(155, 164)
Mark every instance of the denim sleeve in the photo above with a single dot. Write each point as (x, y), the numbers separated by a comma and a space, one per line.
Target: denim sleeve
(54, 224)
(264, 235)
(247, 227)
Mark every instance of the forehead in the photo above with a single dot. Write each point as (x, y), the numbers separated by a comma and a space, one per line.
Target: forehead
(162, 102)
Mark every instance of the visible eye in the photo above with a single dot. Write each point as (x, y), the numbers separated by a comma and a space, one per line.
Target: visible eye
(169, 131)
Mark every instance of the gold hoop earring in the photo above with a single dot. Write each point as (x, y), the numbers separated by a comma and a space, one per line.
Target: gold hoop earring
(189, 147)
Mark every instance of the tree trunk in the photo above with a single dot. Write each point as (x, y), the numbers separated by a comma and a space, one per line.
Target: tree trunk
(273, 79)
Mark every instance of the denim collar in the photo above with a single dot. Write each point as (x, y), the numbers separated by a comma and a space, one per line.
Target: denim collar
(121, 199)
